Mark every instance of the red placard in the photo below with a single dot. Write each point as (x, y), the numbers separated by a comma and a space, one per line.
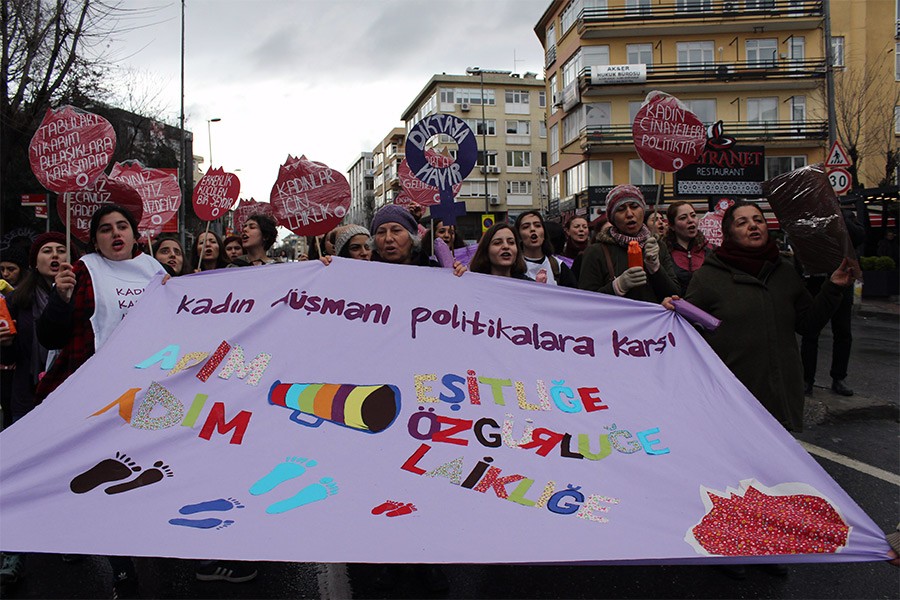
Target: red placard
(710, 224)
(34, 199)
(84, 203)
(159, 191)
(70, 149)
(309, 198)
(248, 208)
(667, 136)
(215, 194)
(418, 191)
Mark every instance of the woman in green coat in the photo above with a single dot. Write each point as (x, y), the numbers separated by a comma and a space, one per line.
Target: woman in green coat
(762, 303)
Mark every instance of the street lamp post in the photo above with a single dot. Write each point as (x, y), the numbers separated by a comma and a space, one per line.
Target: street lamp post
(209, 123)
(480, 73)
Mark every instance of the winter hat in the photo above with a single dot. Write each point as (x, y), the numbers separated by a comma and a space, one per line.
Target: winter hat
(623, 193)
(44, 238)
(345, 234)
(16, 256)
(391, 213)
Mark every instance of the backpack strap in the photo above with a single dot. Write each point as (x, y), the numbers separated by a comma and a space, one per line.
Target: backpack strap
(554, 266)
(609, 263)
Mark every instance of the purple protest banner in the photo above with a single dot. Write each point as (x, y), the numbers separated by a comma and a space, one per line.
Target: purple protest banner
(525, 412)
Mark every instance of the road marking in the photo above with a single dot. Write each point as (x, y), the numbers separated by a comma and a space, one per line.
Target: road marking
(334, 581)
(853, 464)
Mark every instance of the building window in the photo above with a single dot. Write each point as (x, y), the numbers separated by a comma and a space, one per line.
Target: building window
(797, 48)
(551, 82)
(600, 173)
(897, 120)
(837, 50)
(518, 158)
(518, 187)
(637, 7)
(473, 96)
(518, 127)
(760, 4)
(448, 95)
(595, 55)
(485, 127)
(693, 5)
(694, 55)
(704, 109)
(542, 99)
(798, 109)
(554, 187)
(491, 158)
(575, 179)
(542, 129)
(573, 123)
(640, 173)
(778, 165)
(517, 96)
(639, 54)
(551, 36)
(569, 15)
(762, 53)
(633, 108)
(554, 144)
(896, 62)
(762, 110)
(571, 69)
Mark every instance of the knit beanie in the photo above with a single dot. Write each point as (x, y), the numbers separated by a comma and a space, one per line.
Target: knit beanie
(391, 213)
(623, 193)
(16, 256)
(44, 238)
(345, 234)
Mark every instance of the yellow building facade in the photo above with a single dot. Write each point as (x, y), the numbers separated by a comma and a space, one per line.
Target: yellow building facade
(757, 65)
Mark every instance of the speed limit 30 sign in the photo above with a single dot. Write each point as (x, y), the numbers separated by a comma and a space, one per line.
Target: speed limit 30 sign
(840, 180)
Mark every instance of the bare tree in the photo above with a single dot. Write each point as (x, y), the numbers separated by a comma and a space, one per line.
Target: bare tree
(864, 99)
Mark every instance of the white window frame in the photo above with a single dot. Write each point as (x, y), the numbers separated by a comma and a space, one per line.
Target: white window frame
(700, 106)
(758, 108)
(798, 109)
(518, 187)
(639, 54)
(489, 124)
(686, 52)
(554, 144)
(795, 163)
(519, 127)
(693, 5)
(638, 7)
(837, 51)
(523, 157)
(640, 173)
(761, 52)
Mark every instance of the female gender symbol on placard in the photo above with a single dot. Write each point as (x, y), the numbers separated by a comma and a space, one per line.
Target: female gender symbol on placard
(443, 178)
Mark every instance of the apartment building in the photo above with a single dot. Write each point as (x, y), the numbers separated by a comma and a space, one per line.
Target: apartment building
(361, 176)
(506, 112)
(757, 65)
(386, 158)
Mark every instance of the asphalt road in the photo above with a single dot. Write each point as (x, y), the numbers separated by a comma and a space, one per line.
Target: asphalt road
(869, 436)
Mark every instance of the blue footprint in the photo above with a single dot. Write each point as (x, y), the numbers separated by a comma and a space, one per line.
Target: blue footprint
(311, 493)
(201, 523)
(292, 467)
(221, 504)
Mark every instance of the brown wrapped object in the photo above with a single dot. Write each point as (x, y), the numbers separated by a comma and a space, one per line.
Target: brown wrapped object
(809, 212)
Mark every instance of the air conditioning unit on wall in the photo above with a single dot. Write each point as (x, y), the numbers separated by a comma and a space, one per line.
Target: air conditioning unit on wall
(494, 200)
(464, 107)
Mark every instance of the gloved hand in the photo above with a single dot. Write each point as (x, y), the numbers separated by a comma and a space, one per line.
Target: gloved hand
(631, 278)
(651, 254)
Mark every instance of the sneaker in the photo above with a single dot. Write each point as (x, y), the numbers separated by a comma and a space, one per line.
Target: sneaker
(12, 569)
(808, 389)
(838, 387)
(230, 571)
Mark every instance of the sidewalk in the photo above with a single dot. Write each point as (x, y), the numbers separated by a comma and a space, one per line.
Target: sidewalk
(879, 308)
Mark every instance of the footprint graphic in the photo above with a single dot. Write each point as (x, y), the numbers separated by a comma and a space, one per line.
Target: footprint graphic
(406, 509)
(105, 471)
(221, 504)
(202, 523)
(312, 493)
(292, 467)
(150, 476)
(386, 506)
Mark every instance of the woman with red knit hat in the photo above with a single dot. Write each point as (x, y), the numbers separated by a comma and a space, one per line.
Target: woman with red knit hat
(605, 266)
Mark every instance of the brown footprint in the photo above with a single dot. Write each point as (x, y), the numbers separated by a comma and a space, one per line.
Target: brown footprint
(158, 473)
(110, 469)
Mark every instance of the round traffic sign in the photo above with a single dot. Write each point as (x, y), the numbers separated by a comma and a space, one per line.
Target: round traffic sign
(840, 180)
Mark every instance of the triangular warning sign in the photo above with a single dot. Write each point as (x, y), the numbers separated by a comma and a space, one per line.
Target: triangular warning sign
(837, 157)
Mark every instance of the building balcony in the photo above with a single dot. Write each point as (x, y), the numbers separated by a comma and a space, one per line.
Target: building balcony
(611, 138)
(701, 16)
(778, 74)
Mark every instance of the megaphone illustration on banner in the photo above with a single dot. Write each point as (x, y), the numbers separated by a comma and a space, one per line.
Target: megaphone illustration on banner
(369, 408)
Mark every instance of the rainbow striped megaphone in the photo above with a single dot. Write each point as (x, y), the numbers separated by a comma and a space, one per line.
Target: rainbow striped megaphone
(369, 408)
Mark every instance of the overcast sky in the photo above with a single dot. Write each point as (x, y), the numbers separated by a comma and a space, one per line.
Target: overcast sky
(325, 78)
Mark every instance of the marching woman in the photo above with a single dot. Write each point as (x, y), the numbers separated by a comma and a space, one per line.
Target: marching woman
(499, 253)
(84, 308)
(209, 252)
(258, 235)
(763, 303)
(605, 267)
(233, 248)
(537, 251)
(170, 254)
(685, 242)
(397, 240)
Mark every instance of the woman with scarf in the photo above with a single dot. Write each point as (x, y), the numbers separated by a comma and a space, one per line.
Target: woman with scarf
(763, 303)
(604, 265)
(685, 242)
